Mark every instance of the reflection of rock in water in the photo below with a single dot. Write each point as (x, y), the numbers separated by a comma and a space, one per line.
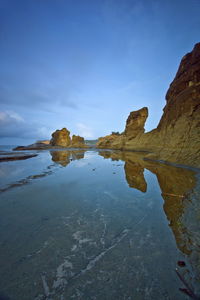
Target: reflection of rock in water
(61, 157)
(176, 184)
(135, 176)
(64, 157)
(133, 169)
(77, 154)
(190, 221)
(181, 200)
(181, 206)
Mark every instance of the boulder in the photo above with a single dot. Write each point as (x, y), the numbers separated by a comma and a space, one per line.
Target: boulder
(61, 138)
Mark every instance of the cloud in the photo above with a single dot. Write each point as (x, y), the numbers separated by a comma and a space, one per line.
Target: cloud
(84, 130)
(10, 117)
(12, 125)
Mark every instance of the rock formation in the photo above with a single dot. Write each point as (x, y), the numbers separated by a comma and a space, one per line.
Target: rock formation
(61, 138)
(135, 123)
(107, 141)
(177, 136)
(43, 142)
(78, 142)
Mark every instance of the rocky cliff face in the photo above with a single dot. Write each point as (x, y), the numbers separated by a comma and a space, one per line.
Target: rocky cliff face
(177, 137)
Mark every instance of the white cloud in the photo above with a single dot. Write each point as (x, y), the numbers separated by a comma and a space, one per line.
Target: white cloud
(12, 125)
(15, 116)
(8, 117)
(84, 130)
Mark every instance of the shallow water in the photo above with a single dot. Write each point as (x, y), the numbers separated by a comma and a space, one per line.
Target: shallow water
(98, 225)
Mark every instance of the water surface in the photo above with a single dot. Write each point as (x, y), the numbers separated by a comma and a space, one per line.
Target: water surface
(97, 225)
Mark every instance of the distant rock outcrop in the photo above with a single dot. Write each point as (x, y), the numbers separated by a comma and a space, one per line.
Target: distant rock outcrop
(43, 142)
(78, 142)
(177, 137)
(61, 138)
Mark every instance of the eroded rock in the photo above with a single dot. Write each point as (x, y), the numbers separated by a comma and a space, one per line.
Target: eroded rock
(135, 123)
(61, 138)
(78, 142)
(107, 141)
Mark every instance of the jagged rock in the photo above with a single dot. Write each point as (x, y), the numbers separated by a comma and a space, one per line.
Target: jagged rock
(61, 138)
(78, 142)
(183, 96)
(135, 123)
(177, 137)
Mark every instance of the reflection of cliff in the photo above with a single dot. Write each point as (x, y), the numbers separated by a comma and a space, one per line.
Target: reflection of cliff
(61, 157)
(64, 157)
(175, 183)
(181, 204)
(132, 167)
(135, 176)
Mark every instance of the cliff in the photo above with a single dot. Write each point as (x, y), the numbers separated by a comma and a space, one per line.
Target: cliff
(177, 136)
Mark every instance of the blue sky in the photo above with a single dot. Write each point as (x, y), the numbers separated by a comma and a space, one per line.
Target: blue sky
(86, 64)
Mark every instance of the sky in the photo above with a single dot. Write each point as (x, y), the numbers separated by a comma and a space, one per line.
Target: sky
(85, 64)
